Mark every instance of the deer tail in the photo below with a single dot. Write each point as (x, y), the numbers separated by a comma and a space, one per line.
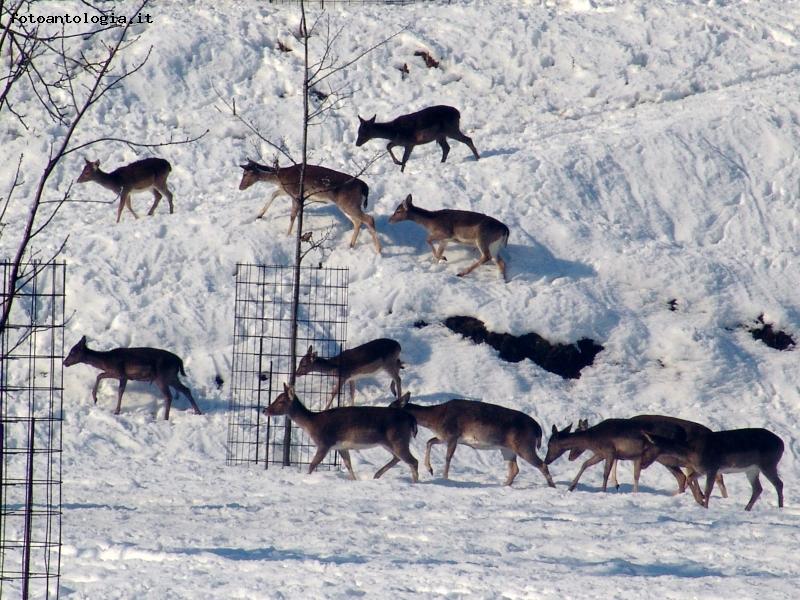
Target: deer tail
(180, 367)
(413, 425)
(364, 193)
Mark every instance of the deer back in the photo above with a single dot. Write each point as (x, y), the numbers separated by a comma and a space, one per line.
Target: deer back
(419, 127)
(461, 225)
(138, 364)
(361, 360)
(139, 175)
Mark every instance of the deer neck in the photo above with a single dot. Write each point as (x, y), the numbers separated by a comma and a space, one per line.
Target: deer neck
(426, 218)
(95, 358)
(300, 414)
(426, 416)
(107, 180)
(384, 131)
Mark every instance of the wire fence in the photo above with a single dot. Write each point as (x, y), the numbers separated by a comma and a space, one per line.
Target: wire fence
(261, 358)
(31, 395)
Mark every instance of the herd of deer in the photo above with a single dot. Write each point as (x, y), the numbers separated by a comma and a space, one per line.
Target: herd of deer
(644, 439)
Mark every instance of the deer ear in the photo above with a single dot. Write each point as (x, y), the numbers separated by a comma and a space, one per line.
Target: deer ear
(372, 120)
(404, 399)
(407, 201)
(555, 430)
(360, 120)
(285, 387)
(567, 429)
(82, 341)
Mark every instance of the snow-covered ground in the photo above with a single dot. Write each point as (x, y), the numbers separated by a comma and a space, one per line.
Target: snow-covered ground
(640, 152)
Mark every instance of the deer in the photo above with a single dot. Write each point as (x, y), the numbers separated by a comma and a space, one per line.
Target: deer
(137, 364)
(671, 428)
(362, 361)
(609, 440)
(752, 450)
(351, 428)
(486, 233)
(320, 184)
(139, 176)
(433, 123)
(482, 426)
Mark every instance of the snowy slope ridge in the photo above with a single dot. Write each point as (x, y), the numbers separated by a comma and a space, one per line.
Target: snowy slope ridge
(639, 152)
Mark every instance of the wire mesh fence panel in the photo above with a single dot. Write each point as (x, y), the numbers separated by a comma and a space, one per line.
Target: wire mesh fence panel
(261, 357)
(31, 391)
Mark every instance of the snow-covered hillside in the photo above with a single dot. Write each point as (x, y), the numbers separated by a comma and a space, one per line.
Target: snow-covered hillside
(643, 155)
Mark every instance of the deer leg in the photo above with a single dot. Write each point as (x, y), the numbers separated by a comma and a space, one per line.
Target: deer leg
(395, 386)
(406, 155)
(352, 392)
(121, 205)
(168, 193)
(188, 393)
(614, 479)
(386, 467)
(345, 454)
(771, 473)
(451, 448)
(389, 147)
(679, 477)
(438, 253)
(122, 383)
(274, 195)
(336, 388)
(511, 462)
(320, 454)
(431, 442)
(442, 141)
(533, 458)
(485, 257)
(710, 477)
(755, 483)
(592, 461)
(369, 222)
(157, 197)
(637, 471)
(126, 195)
(466, 140)
(721, 483)
(293, 215)
(97, 383)
(164, 387)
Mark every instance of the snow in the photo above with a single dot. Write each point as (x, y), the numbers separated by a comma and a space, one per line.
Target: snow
(639, 152)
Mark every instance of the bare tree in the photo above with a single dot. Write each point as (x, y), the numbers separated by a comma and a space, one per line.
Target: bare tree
(318, 83)
(50, 63)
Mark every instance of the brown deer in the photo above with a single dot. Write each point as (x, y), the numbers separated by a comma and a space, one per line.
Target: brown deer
(486, 233)
(137, 364)
(362, 361)
(670, 428)
(482, 426)
(429, 124)
(753, 451)
(610, 440)
(351, 428)
(140, 176)
(320, 185)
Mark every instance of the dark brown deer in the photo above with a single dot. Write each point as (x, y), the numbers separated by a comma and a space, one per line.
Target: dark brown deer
(351, 428)
(482, 426)
(320, 185)
(609, 440)
(753, 451)
(486, 233)
(140, 176)
(362, 361)
(670, 428)
(136, 364)
(433, 123)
